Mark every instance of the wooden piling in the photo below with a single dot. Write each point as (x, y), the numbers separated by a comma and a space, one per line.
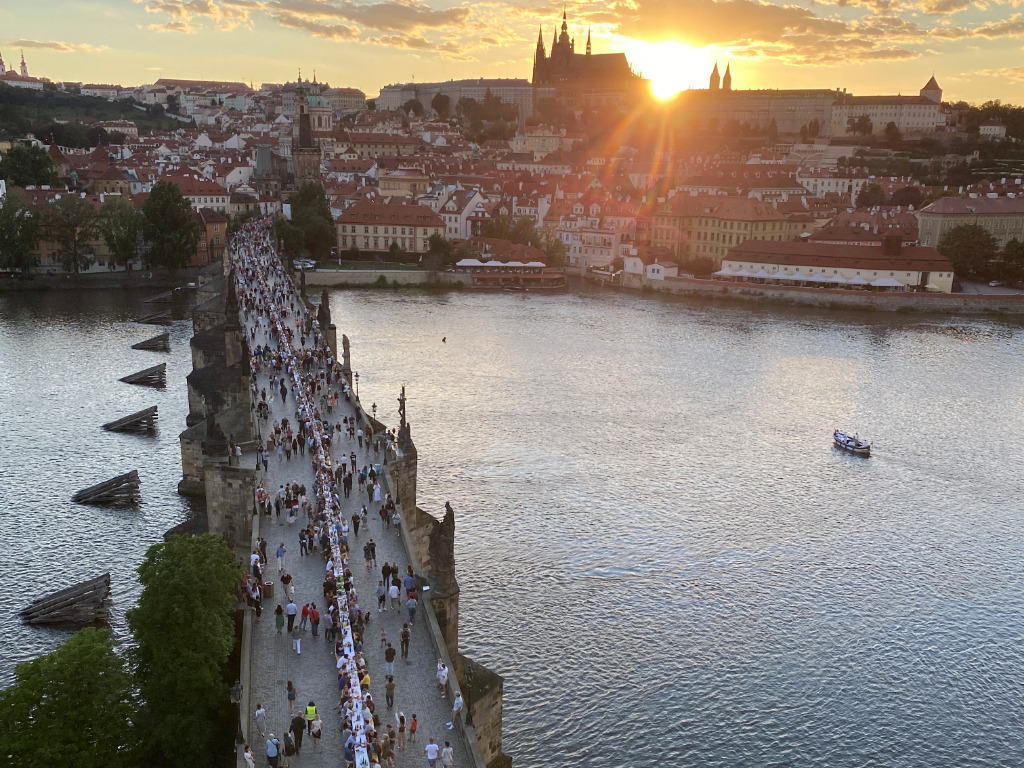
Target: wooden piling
(118, 490)
(160, 343)
(149, 377)
(141, 421)
(80, 604)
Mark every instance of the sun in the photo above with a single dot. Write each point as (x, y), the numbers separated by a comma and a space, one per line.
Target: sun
(671, 67)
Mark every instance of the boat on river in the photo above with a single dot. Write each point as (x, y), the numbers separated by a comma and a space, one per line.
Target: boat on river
(851, 443)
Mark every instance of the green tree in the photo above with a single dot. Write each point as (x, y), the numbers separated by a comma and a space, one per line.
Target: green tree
(184, 633)
(73, 224)
(413, 107)
(72, 706)
(441, 104)
(311, 213)
(969, 249)
(442, 248)
(861, 126)
(290, 238)
(892, 134)
(170, 230)
(172, 104)
(24, 166)
(1013, 260)
(499, 227)
(869, 196)
(121, 228)
(19, 230)
(907, 196)
(555, 250)
(238, 220)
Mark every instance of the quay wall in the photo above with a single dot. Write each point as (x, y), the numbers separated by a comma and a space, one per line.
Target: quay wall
(338, 278)
(841, 298)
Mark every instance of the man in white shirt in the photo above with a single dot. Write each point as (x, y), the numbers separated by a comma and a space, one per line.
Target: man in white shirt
(432, 751)
(456, 710)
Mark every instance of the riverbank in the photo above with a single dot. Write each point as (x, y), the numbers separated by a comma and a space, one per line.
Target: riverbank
(156, 278)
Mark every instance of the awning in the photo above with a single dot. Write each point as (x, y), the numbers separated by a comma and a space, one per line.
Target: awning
(817, 277)
(536, 264)
(723, 272)
(837, 279)
(469, 263)
(798, 275)
(514, 264)
(743, 273)
(781, 276)
(887, 282)
(856, 280)
(763, 274)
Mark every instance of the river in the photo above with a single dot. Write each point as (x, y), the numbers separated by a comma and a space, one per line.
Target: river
(657, 545)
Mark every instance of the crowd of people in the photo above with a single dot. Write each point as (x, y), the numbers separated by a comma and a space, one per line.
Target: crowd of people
(289, 349)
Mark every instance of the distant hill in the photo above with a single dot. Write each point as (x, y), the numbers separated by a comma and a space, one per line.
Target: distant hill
(23, 111)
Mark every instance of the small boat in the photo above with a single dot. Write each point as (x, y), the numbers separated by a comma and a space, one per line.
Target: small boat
(852, 444)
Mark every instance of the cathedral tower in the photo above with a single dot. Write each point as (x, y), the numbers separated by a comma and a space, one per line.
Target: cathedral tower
(715, 82)
(727, 79)
(24, 66)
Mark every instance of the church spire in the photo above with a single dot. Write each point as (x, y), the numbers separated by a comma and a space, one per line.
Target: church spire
(24, 66)
(588, 41)
(3, 67)
(540, 40)
(727, 79)
(716, 79)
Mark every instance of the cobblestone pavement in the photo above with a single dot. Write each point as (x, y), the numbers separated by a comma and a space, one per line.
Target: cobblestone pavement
(274, 661)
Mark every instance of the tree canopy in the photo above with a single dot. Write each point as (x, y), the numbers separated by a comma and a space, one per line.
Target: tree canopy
(969, 248)
(121, 228)
(24, 166)
(184, 635)
(311, 214)
(441, 104)
(73, 223)
(72, 706)
(19, 228)
(167, 224)
(870, 195)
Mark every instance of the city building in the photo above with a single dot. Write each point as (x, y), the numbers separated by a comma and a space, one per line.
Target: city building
(508, 90)
(213, 237)
(890, 266)
(708, 226)
(1000, 216)
(371, 226)
(22, 80)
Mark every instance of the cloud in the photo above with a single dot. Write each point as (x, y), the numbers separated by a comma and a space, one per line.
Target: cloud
(1013, 74)
(316, 28)
(386, 16)
(57, 45)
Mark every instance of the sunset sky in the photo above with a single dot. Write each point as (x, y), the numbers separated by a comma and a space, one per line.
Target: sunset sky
(973, 47)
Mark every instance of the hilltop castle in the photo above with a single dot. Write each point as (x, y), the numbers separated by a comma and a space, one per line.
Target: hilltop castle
(583, 79)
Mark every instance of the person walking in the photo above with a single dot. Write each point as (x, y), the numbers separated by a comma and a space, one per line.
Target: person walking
(316, 731)
(311, 715)
(396, 601)
(292, 694)
(250, 758)
(442, 679)
(273, 751)
(400, 719)
(447, 755)
(298, 727)
(279, 618)
(373, 552)
(411, 605)
(314, 619)
(389, 688)
(396, 523)
(413, 725)
(289, 748)
(261, 719)
(381, 597)
(432, 751)
(297, 639)
(404, 637)
(290, 610)
(280, 557)
(389, 659)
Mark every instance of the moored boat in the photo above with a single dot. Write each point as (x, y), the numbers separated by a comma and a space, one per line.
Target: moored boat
(851, 443)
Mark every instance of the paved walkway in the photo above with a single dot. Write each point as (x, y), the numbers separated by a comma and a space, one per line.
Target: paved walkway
(274, 661)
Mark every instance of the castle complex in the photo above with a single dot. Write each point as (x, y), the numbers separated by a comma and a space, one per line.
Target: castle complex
(811, 112)
(581, 80)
